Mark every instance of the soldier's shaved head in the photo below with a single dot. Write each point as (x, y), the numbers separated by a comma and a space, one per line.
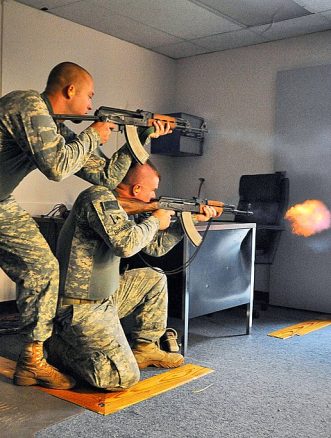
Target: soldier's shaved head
(64, 74)
(70, 89)
(140, 182)
(139, 172)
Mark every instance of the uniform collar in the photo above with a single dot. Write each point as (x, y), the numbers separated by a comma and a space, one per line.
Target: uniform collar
(48, 103)
(49, 107)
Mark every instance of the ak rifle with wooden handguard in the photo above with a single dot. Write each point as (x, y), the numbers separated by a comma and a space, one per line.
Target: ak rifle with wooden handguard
(129, 121)
(184, 208)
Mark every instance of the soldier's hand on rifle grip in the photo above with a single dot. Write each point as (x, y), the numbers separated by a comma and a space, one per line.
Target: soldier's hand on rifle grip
(164, 216)
(104, 129)
(208, 213)
(161, 128)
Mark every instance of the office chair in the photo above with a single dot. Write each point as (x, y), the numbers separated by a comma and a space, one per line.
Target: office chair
(266, 195)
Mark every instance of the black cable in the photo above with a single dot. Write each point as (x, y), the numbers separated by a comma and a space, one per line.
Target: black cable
(186, 264)
(58, 209)
(202, 180)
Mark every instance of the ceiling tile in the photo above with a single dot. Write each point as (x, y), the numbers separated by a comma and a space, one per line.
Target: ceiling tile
(180, 50)
(294, 27)
(315, 5)
(180, 28)
(180, 18)
(49, 4)
(121, 27)
(138, 33)
(327, 15)
(230, 40)
(256, 12)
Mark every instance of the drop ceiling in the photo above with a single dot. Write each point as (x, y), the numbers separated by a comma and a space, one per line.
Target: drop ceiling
(183, 28)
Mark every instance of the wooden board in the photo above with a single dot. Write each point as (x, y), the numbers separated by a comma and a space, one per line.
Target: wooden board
(300, 329)
(7, 367)
(109, 402)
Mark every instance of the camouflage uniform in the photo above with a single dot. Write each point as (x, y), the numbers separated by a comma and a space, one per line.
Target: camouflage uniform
(91, 342)
(30, 139)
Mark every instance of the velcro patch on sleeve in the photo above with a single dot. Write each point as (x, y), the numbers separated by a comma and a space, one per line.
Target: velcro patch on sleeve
(109, 205)
(43, 126)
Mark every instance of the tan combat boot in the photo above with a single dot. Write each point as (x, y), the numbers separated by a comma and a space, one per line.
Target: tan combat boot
(32, 369)
(169, 341)
(149, 354)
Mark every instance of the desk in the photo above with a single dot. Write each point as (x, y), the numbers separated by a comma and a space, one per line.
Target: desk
(220, 276)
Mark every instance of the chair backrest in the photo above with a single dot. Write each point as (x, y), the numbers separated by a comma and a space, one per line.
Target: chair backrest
(266, 195)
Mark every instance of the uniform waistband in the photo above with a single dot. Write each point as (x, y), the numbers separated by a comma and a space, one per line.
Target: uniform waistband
(68, 301)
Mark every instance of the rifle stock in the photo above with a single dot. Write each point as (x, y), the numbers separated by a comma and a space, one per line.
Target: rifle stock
(133, 206)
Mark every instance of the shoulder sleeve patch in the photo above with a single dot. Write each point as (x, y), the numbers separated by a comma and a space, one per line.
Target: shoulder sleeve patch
(43, 126)
(41, 121)
(109, 205)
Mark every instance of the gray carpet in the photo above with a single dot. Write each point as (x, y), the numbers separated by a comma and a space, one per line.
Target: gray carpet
(261, 387)
(25, 411)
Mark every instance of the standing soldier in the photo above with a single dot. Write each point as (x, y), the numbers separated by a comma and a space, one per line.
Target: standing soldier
(30, 139)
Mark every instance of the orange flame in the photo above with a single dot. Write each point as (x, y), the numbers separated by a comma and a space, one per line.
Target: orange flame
(308, 218)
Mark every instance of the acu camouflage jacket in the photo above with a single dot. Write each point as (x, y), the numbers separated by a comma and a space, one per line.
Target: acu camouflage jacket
(96, 235)
(30, 139)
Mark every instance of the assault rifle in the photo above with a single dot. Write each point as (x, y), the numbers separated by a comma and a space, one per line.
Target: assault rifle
(129, 121)
(184, 208)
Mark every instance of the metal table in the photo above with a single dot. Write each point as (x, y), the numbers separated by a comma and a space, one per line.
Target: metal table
(221, 276)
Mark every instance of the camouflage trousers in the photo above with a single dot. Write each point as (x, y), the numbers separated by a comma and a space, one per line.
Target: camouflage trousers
(27, 259)
(91, 341)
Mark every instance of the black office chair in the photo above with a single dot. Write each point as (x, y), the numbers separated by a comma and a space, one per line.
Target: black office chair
(267, 196)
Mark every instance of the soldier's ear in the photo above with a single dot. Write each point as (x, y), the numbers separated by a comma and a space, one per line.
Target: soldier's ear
(70, 91)
(136, 189)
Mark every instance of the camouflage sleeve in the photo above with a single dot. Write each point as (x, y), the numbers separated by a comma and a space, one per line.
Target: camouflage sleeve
(107, 218)
(165, 240)
(109, 172)
(66, 132)
(37, 133)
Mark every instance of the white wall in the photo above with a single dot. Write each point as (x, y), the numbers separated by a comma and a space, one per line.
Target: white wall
(8, 288)
(126, 76)
(300, 276)
(234, 91)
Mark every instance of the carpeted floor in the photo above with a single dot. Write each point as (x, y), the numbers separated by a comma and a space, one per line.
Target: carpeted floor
(262, 387)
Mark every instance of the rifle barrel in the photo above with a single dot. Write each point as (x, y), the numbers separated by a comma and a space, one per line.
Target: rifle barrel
(75, 118)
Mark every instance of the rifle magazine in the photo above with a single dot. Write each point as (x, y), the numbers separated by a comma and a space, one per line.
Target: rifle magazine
(134, 143)
(189, 228)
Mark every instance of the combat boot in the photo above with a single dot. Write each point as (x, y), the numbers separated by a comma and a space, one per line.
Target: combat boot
(149, 354)
(32, 369)
(169, 341)
(55, 352)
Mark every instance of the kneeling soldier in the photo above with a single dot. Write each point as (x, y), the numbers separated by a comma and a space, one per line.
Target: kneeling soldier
(90, 342)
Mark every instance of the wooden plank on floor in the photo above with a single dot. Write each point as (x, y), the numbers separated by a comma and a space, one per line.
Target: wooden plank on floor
(7, 367)
(300, 329)
(109, 402)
